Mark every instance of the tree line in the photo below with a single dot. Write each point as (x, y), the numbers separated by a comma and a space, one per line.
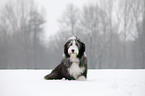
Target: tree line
(21, 29)
(113, 31)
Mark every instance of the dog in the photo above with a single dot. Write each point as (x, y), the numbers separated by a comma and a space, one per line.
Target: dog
(74, 63)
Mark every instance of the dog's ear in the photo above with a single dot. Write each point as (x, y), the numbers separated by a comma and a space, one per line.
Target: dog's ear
(66, 49)
(83, 47)
(81, 50)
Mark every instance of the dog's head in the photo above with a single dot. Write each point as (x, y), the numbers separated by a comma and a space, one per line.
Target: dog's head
(74, 47)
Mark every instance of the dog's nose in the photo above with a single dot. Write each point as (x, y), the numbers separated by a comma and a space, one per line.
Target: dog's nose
(72, 50)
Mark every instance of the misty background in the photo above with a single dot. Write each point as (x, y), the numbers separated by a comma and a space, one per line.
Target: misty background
(113, 31)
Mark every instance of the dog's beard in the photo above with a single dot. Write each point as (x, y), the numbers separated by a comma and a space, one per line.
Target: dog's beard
(73, 55)
(73, 58)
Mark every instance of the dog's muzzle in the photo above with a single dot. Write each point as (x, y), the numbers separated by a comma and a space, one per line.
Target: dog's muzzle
(73, 50)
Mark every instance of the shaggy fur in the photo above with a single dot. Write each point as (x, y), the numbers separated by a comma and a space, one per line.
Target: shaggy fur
(74, 64)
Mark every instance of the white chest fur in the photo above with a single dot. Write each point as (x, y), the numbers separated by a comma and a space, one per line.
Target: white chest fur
(75, 70)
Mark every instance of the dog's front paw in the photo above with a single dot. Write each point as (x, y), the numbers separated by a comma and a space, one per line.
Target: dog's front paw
(81, 78)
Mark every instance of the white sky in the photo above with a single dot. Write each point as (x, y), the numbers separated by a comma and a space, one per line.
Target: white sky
(54, 10)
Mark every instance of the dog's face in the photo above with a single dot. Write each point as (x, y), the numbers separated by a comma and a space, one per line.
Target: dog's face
(74, 47)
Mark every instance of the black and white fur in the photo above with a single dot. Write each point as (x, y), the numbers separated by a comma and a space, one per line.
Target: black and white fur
(74, 64)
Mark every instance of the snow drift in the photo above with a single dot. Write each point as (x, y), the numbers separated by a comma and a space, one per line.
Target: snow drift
(99, 83)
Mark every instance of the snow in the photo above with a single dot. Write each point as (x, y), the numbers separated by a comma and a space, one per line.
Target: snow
(99, 83)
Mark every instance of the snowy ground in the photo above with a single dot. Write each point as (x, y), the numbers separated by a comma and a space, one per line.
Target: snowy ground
(99, 83)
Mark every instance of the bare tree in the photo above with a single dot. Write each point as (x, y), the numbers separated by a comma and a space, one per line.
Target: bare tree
(139, 20)
(20, 26)
(70, 19)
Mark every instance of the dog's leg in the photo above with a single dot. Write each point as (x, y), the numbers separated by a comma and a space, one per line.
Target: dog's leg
(68, 76)
(81, 78)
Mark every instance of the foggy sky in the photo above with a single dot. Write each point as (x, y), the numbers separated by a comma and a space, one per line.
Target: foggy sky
(54, 9)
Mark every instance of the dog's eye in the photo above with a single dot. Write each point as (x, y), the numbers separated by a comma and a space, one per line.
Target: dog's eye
(70, 44)
(77, 43)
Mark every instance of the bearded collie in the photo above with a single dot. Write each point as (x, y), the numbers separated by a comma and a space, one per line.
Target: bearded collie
(74, 64)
